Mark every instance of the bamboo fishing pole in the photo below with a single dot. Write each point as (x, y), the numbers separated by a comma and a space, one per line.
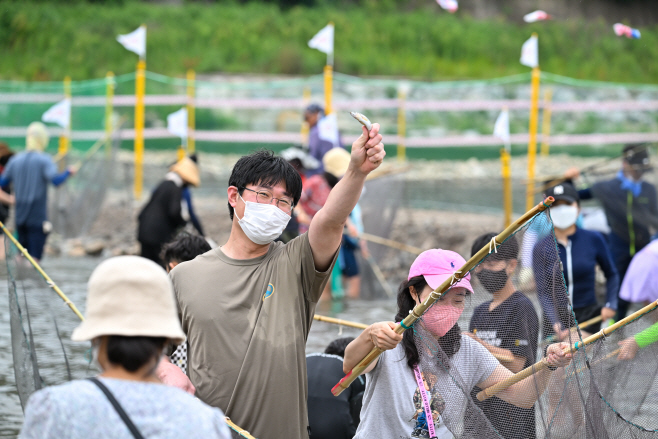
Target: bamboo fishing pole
(418, 311)
(499, 357)
(241, 431)
(541, 365)
(340, 322)
(585, 324)
(607, 357)
(391, 243)
(557, 179)
(43, 274)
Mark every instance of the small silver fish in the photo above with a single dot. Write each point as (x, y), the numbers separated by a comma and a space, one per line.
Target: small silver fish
(361, 118)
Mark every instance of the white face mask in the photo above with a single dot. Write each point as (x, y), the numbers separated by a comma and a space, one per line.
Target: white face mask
(564, 216)
(262, 223)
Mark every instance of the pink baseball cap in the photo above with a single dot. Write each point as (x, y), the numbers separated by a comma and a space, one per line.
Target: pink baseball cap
(437, 265)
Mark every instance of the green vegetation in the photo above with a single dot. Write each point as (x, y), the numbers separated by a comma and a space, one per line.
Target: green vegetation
(46, 41)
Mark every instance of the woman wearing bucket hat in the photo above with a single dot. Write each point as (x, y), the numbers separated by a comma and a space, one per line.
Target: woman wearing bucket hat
(163, 214)
(131, 317)
(438, 389)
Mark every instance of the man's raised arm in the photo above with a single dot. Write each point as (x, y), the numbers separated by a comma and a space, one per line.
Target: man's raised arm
(326, 228)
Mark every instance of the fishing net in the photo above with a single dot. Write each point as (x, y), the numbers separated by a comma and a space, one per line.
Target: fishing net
(41, 327)
(519, 301)
(75, 204)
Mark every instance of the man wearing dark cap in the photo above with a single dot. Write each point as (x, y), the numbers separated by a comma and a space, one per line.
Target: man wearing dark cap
(631, 208)
(317, 146)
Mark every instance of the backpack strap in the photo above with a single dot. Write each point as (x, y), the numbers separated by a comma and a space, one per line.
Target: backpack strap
(124, 416)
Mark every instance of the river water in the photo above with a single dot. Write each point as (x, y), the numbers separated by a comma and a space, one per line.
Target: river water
(71, 276)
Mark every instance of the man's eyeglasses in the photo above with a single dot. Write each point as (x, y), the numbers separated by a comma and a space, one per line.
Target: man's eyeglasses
(266, 197)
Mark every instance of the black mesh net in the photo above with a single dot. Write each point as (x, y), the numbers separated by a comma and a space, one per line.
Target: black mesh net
(519, 307)
(42, 350)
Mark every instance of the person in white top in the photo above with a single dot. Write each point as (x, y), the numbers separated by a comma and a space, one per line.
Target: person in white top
(394, 404)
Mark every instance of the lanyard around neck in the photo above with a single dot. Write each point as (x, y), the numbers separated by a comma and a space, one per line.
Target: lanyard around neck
(426, 401)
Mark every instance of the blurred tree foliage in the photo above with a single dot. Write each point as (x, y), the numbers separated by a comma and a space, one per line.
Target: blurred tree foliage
(47, 41)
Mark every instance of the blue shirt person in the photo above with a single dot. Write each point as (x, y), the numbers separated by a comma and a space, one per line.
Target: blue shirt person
(580, 252)
(30, 172)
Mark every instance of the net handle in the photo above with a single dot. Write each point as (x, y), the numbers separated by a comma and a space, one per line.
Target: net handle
(43, 274)
(341, 322)
(419, 309)
(541, 365)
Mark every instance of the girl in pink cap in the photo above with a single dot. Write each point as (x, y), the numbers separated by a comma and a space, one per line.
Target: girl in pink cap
(401, 401)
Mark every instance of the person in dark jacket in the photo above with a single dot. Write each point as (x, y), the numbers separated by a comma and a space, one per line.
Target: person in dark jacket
(162, 216)
(580, 252)
(329, 416)
(631, 208)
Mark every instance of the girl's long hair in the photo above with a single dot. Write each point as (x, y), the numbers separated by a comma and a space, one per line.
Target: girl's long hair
(449, 343)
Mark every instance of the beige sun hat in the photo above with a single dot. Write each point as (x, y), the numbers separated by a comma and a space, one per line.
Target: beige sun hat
(336, 161)
(36, 137)
(130, 296)
(187, 170)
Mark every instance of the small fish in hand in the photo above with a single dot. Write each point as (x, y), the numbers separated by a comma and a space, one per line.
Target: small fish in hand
(362, 119)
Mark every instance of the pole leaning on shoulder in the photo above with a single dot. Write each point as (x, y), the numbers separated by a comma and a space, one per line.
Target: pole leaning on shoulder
(43, 274)
(418, 311)
(240, 431)
(541, 365)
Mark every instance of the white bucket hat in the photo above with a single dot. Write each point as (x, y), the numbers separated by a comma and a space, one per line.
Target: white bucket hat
(130, 296)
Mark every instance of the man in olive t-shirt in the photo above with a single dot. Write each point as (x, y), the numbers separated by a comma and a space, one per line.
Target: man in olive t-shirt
(247, 307)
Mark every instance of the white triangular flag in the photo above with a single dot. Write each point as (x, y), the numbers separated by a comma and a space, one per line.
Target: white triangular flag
(135, 41)
(323, 40)
(530, 52)
(328, 129)
(60, 113)
(501, 129)
(177, 123)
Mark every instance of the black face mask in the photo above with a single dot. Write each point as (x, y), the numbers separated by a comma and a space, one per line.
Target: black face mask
(492, 281)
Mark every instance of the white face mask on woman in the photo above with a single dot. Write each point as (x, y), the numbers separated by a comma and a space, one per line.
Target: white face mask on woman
(564, 216)
(262, 223)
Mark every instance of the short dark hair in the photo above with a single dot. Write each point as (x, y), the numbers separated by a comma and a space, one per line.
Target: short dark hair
(314, 109)
(265, 168)
(337, 347)
(184, 247)
(509, 249)
(131, 353)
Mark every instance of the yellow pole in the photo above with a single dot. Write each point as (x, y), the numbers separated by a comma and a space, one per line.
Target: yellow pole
(191, 78)
(532, 143)
(140, 89)
(63, 148)
(328, 79)
(109, 102)
(43, 274)
(546, 123)
(402, 126)
(306, 100)
(507, 185)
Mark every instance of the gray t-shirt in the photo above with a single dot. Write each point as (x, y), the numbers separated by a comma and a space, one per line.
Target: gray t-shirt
(391, 402)
(80, 410)
(247, 322)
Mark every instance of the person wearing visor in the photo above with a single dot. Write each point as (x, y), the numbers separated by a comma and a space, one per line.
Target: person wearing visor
(395, 381)
(507, 325)
(580, 252)
(130, 318)
(631, 208)
(247, 306)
